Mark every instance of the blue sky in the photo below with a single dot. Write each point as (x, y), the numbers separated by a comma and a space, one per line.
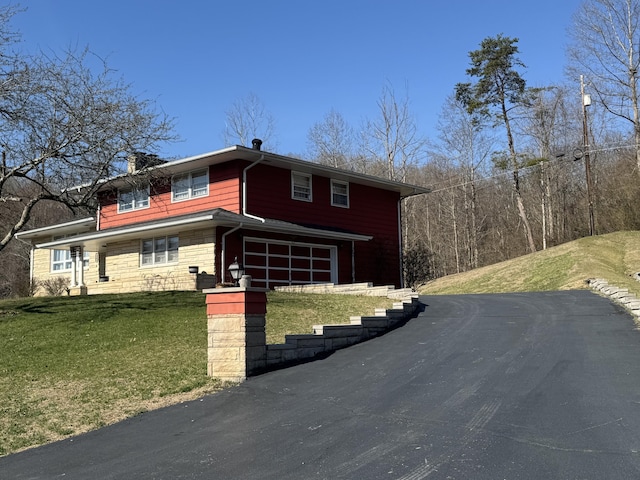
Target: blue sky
(301, 58)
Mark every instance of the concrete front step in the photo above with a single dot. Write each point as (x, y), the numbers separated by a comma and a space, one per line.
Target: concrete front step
(338, 330)
(363, 288)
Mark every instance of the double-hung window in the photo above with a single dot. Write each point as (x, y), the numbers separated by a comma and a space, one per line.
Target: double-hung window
(61, 258)
(190, 185)
(159, 251)
(339, 194)
(301, 186)
(133, 199)
(61, 261)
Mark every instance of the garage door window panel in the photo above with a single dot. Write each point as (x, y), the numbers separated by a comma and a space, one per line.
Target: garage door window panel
(286, 263)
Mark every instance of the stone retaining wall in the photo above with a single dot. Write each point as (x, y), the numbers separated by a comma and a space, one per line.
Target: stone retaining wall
(328, 338)
(236, 331)
(618, 295)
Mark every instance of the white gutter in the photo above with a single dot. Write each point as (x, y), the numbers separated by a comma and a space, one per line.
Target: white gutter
(400, 242)
(60, 226)
(244, 190)
(31, 266)
(223, 249)
(110, 233)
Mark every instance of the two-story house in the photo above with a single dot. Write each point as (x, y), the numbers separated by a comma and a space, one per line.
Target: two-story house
(178, 225)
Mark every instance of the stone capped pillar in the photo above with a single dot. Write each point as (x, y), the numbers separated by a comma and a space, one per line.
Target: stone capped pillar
(237, 345)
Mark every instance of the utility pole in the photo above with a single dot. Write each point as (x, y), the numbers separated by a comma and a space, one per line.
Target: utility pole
(586, 101)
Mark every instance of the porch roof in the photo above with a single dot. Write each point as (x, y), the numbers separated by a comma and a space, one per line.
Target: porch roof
(98, 241)
(67, 228)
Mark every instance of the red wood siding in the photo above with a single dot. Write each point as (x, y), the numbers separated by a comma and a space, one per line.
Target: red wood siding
(224, 192)
(371, 211)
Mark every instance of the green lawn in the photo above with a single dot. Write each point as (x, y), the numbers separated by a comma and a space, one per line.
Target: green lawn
(73, 364)
(614, 257)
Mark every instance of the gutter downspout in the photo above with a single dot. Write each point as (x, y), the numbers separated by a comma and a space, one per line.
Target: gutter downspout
(31, 266)
(32, 252)
(244, 213)
(244, 190)
(400, 242)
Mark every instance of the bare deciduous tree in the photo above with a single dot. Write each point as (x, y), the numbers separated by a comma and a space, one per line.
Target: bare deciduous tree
(248, 118)
(65, 121)
(606, 49)
(392, 138)
(332, 141)
(465, 141)
(542, 124)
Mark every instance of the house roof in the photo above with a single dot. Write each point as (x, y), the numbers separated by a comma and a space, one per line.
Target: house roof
(252, 155)
(98, 240)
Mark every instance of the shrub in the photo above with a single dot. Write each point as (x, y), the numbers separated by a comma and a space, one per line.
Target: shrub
(55, 286)
(417, 265)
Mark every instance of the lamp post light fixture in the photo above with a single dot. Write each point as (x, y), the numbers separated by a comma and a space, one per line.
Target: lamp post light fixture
(236, 270)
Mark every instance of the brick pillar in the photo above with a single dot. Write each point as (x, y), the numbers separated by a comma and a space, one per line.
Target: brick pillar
(237, 346)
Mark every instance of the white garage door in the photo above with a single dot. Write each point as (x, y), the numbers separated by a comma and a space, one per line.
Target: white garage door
(272, 263)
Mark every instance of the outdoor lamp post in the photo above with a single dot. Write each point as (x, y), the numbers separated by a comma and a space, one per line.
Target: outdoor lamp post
(236, 270)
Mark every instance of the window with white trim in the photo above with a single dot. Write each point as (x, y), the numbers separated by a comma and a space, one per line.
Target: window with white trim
(190, 185)
(301, 186)
(159, 251)
(61, 261)
(133, 199)
(61, 258)
(339, 194)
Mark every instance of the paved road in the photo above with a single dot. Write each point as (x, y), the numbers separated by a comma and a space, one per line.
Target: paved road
(514, 386)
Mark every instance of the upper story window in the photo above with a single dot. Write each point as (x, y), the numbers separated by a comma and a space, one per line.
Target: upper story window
(301, 186)
(339, 194)
(133, 199)
(159, 251)
(190, 185)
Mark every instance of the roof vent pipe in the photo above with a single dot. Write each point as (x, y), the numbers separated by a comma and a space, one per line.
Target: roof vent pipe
(257, 143)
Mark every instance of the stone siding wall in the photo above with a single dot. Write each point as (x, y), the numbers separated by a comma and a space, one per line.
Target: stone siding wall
(122, 266)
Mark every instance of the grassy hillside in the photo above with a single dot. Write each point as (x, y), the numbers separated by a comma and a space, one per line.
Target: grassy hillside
(73, 364)
(613, 257)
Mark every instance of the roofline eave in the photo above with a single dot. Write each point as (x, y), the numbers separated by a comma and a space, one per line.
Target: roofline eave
(99, 240)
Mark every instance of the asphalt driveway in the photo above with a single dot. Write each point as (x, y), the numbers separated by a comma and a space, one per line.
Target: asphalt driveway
(512, 386)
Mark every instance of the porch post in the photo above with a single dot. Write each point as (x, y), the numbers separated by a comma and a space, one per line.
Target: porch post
(74, 267)
(79, 264)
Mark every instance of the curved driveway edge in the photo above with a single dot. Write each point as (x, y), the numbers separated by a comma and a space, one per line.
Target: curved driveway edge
(527, 386)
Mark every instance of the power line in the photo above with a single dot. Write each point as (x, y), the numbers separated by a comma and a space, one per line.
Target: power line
(526, 169)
